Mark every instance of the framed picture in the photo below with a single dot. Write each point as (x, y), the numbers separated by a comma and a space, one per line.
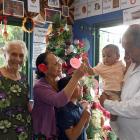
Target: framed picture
(33, 1)
(33, 6)
(97, 6)
(54, 3)
(1, 7)
(13, 8)
(50, 14)
(65, 11)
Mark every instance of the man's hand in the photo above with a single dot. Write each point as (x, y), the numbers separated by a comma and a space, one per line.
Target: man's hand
(102, 98)
(88, 66)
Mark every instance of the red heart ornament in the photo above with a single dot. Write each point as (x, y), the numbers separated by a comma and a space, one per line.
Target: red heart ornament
(75, 63)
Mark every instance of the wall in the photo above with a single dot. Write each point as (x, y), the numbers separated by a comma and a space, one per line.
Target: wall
(85, 28)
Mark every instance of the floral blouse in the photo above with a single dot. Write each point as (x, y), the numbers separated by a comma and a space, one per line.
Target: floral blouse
(15, 120)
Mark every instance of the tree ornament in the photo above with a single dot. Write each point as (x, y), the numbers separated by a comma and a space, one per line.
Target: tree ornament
(75, 63)
(58, 40)
(5, 33)
(66, 27)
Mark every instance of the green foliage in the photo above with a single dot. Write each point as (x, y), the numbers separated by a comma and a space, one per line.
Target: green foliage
(59, 38)
(57, 22)
(14, 32)
(59, 41)
(112, 135)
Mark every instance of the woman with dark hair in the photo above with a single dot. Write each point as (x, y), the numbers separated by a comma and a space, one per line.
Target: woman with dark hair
(46, 96)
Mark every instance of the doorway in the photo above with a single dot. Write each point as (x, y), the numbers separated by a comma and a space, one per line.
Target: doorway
(111, 35)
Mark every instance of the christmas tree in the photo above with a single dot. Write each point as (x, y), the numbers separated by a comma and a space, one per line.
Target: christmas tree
(59, 41)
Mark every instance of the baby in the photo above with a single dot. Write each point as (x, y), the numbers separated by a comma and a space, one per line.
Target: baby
(111, 71)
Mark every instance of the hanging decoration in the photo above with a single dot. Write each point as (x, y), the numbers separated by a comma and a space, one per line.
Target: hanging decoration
(44, 4)
(28, 24)
(0, 25)
(5, 33)
(75, 63)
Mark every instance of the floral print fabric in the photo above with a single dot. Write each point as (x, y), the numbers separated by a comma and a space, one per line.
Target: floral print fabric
(15, 120)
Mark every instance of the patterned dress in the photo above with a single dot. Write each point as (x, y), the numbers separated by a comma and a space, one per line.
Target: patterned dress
(15, 120)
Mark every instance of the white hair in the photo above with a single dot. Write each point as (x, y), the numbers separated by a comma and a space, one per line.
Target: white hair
(18, 43)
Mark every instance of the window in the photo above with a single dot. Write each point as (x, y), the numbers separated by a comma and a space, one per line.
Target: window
(14, 33)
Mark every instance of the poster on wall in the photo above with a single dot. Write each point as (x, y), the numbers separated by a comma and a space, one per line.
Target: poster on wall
(111, 5)
(65, 11)
(38, 48)
(39, 43)
(13, 8)
(129, 3)
(80, 10)
(33, 6)
(1, 7)
(131, 15)
(53, 3)
(94, 7)
(50, 14)
(39, 35)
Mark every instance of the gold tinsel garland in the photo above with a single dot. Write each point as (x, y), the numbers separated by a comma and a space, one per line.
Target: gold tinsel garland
(28, 24)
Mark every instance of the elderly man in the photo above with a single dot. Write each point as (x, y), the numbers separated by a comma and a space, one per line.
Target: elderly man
(128, 109)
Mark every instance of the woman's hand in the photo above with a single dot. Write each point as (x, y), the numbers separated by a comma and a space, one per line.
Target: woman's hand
(80, 72)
